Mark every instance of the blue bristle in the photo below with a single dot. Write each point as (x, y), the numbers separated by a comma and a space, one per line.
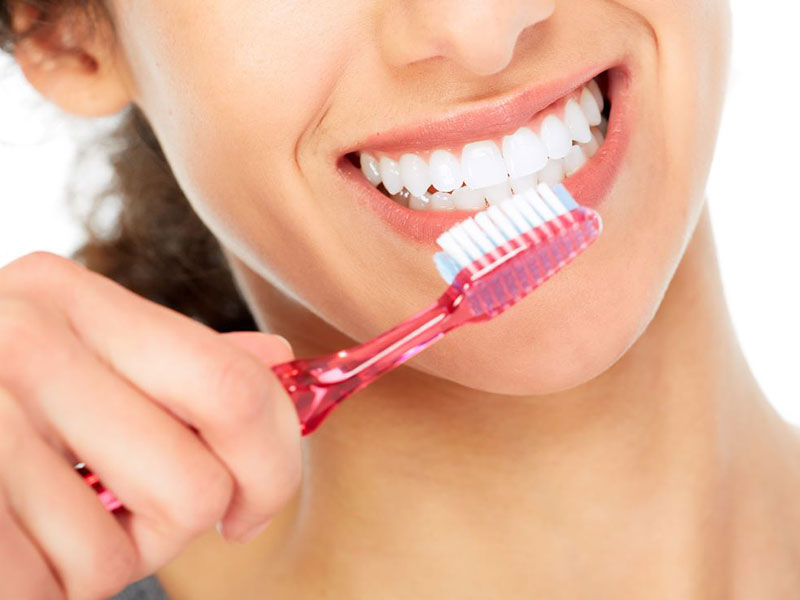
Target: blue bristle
(447, 267)
(565, 197)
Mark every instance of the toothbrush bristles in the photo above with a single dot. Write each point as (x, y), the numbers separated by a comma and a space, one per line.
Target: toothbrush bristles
(513, 247)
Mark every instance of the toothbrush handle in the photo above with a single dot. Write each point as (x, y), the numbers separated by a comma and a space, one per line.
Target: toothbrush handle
(318, 385)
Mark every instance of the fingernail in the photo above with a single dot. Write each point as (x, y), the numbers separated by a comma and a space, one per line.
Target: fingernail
(285, 341)
(250, 534)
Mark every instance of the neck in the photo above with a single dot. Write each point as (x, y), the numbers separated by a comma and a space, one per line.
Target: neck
(429, 489)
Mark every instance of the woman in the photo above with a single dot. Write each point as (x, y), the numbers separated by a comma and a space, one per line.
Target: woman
(604, 438)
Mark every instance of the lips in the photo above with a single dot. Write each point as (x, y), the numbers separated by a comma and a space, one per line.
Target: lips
(535, 107)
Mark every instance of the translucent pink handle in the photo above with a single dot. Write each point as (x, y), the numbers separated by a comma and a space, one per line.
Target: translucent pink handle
(317, 385)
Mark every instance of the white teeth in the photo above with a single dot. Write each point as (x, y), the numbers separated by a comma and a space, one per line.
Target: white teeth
(445, 171)
(467, 199)
(390, 175)
(495, 193)
(523, 152)
(442, 201)
(414, 174)
(574, 160)
(553, 173)
(589, 107)
(483, 175)
(556, 137)
(520, 184)
(419, 202)
(598, 95)
(370, 168)
(576, 122)
(590, 147)
(482, 164)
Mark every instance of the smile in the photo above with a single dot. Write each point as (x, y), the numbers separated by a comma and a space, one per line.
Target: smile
(555, 144)
(421, 179)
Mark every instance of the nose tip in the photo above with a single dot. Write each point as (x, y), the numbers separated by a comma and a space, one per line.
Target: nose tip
(484, 53)
(478, 35)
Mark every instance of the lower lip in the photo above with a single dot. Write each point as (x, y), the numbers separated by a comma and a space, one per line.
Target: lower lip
(590, 185)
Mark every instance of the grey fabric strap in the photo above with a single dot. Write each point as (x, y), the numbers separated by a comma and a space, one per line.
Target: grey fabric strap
(144, 589)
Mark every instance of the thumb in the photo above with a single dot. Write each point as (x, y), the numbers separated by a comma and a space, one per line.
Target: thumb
(268, 348)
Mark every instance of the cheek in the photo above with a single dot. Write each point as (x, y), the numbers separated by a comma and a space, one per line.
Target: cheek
(693, 38)
(230, 90)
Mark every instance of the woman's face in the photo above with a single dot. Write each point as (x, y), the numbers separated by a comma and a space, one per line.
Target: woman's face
(263, 109)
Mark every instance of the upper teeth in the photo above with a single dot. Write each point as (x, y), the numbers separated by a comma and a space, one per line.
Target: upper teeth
(523, 158)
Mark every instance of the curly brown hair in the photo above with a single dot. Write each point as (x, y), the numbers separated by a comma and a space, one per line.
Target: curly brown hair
(157, 246)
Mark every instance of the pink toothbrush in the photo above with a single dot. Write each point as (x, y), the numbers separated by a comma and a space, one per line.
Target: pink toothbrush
(491, 261)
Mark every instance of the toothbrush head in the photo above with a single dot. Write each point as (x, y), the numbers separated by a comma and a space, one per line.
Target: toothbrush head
(500, 255)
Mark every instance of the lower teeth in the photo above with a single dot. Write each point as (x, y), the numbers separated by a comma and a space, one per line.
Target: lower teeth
(465, 198)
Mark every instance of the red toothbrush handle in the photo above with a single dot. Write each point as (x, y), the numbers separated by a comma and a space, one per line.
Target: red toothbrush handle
(108, 499)
(318, 385)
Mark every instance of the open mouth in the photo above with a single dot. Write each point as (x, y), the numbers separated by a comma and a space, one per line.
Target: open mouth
(556, 143)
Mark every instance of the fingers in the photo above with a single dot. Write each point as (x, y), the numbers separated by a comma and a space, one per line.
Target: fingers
(173, 486)
(24, 573)
(225, 392)
(232, 399)
(59, 537)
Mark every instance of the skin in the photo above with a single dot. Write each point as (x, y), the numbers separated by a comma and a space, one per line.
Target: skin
(603, 439)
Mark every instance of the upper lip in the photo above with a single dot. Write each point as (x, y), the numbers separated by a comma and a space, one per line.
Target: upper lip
(497, 117)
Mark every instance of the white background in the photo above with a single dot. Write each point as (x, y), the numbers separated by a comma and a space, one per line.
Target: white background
(755, 202)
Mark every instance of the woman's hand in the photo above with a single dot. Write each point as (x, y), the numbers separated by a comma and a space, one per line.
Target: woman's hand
(185, 426)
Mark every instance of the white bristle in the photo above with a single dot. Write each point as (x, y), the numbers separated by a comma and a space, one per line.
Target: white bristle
(512, 213)
(450, 245)
(552, 200)
(530, 215)
(539, 205)
(491, 230)
(478, 236)
(503, 222)
(470, 247)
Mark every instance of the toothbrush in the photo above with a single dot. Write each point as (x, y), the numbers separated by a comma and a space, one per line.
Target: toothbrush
(490, 261)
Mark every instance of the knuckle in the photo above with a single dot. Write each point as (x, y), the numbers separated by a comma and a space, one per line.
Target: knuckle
(240, 389)
(290, 477)
(285, 416)
(281, 489)
(36, 269)
(26, 337)
(21, 322)
(43, 264)
(201, 498)
(14, 429)
(283, 475)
